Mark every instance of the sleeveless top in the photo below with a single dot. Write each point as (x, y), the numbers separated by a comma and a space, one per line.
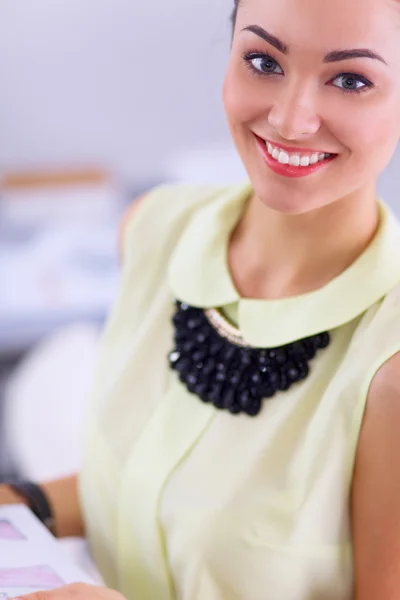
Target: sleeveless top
(183, 501)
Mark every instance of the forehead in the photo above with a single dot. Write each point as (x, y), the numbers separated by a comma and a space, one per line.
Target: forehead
(326, 25)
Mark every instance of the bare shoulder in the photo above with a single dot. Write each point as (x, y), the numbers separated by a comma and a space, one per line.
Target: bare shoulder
(381, 427)
(380, 432)
(376, 490)
(385, 388)
(126, 219)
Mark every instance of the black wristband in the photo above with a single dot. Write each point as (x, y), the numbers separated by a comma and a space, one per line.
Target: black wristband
(37, 501)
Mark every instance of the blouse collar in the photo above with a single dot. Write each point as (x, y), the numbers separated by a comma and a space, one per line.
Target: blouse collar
(199, 276)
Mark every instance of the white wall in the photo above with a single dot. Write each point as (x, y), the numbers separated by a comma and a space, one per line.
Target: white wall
(127, 83)
(390, 183)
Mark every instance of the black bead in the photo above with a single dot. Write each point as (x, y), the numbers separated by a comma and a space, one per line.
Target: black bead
(209, 366)
(218, 397)
(174, 356)
(274, 378)
(268, 392)
(229, 352)
(189, 346)
(296, 349)
(284, 383)
(191, 382)
(193, 324)
(304, 370)
(181, 336)
(323, 340)
(201, 337)
(245, 400)
(201, 389)
(293, 373)
(178, 318)
(220, 376)
(246, 357)
(255, 392)
(280, 356)
(216, 347)
(234, 378)
(199, 355)
(255, 408)
(263, 358)
(309, 349)
(215, 392)
(229, 398)
(183, 364)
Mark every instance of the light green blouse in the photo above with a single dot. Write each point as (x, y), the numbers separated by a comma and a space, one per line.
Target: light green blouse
(183, 501)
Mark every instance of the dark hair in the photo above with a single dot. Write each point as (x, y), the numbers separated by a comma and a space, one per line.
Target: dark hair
(234, 13)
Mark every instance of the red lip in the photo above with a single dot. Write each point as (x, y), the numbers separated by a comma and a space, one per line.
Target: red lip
(289, 170)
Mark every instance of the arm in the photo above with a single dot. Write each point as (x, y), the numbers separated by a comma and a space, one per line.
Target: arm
(130, 211)
(376, 491)
(64, 500)
(78, 591)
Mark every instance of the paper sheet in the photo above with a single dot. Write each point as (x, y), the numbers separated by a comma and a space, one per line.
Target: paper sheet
(30, 557)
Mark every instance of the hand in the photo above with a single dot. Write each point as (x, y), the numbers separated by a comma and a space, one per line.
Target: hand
(75, 591)
(7, 496)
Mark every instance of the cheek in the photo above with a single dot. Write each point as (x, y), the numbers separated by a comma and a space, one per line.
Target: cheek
(371, 134)
(243, 100)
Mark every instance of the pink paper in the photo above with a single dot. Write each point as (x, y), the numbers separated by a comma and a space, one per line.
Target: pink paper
(9, 532)
(40, 577)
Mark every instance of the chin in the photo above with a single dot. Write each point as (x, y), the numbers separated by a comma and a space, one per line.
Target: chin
(286, 199)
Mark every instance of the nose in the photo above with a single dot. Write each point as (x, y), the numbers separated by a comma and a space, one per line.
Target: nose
(294, 115)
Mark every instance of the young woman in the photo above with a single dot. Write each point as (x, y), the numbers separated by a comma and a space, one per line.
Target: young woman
(260, 461)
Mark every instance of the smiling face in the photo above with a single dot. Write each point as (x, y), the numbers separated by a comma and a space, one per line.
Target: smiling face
(312, 97)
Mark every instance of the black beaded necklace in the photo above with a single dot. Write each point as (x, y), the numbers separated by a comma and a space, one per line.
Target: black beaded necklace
(216, 364)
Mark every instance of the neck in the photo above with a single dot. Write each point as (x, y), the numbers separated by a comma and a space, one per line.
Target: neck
(275, 255)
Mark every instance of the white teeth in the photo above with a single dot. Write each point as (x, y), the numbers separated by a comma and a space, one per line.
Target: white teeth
(294, 161)
(283, 158)
(305, 161)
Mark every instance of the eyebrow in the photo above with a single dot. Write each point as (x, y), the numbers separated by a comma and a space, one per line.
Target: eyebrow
(268, 37)
(339, 55)
(331, 57)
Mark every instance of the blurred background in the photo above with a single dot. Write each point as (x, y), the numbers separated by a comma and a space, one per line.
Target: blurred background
(99, 100)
